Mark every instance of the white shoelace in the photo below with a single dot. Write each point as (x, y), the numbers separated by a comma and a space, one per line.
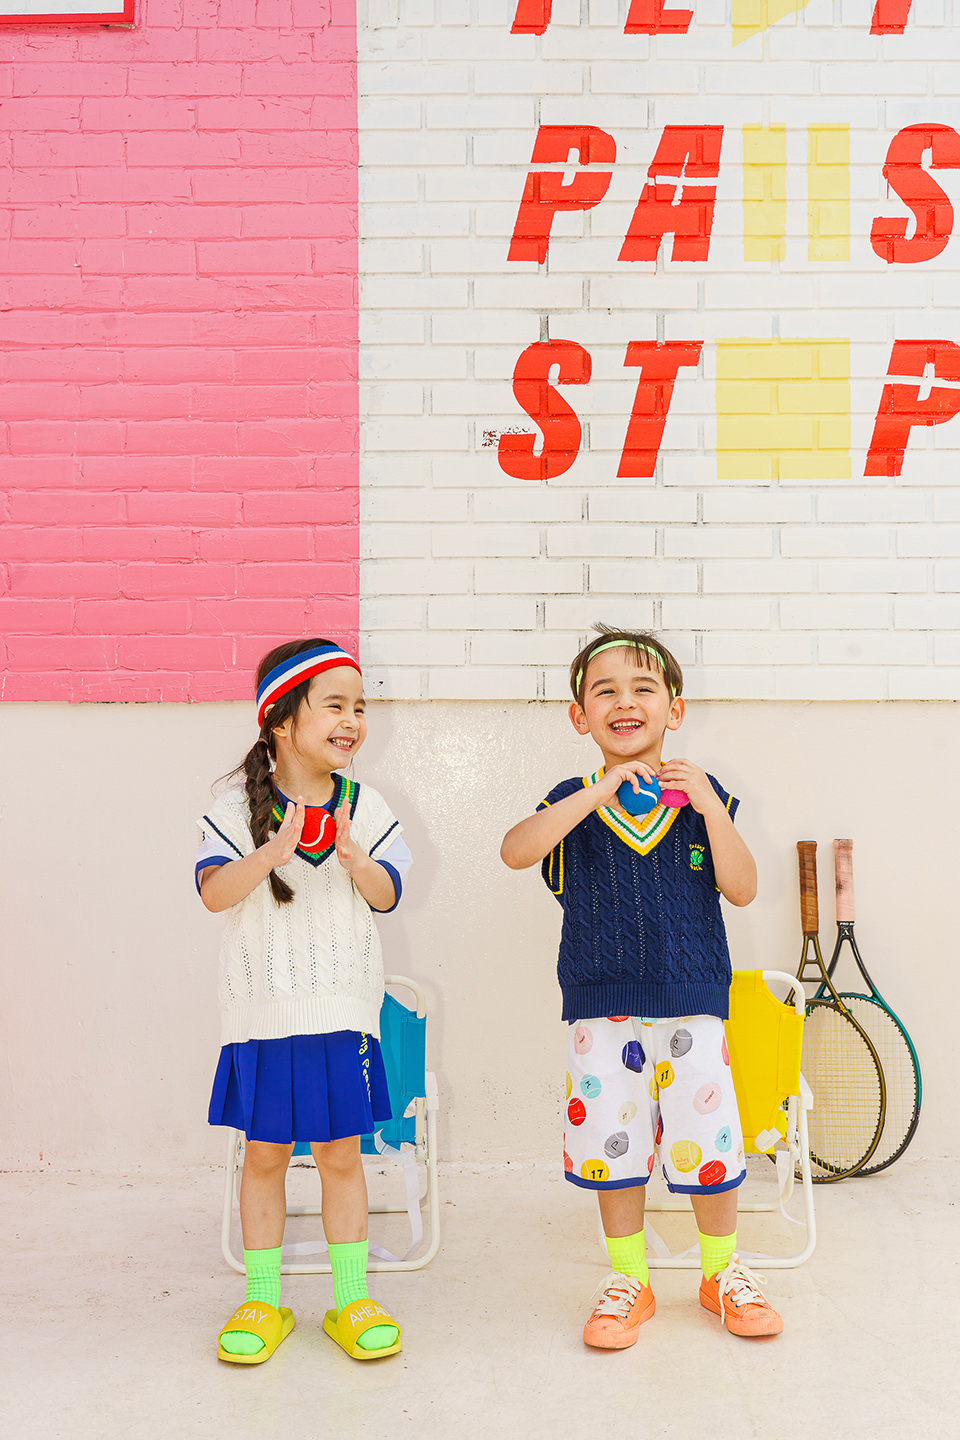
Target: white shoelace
(742, 1285)
(619, 1293)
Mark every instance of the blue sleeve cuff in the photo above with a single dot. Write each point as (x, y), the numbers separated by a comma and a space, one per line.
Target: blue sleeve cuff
(397, 887)
(206, 862)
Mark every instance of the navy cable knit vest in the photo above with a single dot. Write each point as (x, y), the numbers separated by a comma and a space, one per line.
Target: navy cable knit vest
(642, 933)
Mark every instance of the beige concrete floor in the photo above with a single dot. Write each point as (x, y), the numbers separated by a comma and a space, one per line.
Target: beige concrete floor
(114, 1291)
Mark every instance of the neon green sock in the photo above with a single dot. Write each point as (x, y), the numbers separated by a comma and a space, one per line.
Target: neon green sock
(349, 1266)
(263, 1284)
(628, 1255)
(715, 1252)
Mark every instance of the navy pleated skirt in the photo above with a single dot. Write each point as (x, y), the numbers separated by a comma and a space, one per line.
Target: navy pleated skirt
(304, 1087)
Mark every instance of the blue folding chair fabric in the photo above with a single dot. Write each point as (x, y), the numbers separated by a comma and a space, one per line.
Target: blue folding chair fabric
(403, 1044)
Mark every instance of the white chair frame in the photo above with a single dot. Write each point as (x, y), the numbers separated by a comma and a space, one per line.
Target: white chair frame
(797, 1144)
(426, 1107)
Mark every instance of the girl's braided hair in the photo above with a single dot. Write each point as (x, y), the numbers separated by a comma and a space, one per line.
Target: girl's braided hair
(255, 765)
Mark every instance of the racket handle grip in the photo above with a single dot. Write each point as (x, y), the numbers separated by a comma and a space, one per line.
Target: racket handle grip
(843, 856)
(809, 910)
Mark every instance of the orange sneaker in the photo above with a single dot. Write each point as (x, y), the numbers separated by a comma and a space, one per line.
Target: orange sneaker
(623, 1307)
(735, 1295)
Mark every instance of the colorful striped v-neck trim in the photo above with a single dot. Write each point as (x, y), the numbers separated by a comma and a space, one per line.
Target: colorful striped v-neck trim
(323, 845)
(642, 832)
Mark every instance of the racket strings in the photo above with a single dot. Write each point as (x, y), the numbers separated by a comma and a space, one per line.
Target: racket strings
(899, 1072)
(848, 1099)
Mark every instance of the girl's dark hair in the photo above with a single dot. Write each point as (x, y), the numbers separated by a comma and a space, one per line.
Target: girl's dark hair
(255, 765)
(649, 652)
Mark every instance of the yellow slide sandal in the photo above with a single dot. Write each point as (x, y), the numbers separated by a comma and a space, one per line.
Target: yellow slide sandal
(257, 1318)
(355, 1320)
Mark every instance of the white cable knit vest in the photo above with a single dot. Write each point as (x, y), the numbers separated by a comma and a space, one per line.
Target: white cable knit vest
(313, 966)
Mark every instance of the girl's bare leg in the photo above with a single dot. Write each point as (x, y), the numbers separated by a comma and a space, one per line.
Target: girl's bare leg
(344, 1190)
(262, 1194)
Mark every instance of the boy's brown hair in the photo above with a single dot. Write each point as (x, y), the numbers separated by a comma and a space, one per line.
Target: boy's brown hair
(649, 652)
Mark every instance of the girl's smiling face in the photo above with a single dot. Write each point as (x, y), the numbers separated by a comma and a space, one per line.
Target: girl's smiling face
(331, 723)
(626, 707)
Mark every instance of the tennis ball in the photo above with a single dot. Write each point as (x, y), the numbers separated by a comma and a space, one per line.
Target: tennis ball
(617, 1144)
(590, 1087)
(707, 1098)
(680, 1043)
(576, 1112)
(686, 1155)
(712, 1173)
(569, 1084)
(626, 1112)
(582, 1040)
(665, 1075)
(632, 1056)
(594, 1170)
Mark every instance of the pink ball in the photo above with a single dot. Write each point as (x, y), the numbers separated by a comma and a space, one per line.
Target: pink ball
(673, 799)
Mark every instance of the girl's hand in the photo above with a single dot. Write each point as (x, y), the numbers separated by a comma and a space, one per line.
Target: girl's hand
(684, 775)
(348, 851)
(604, 790)
(287, 838)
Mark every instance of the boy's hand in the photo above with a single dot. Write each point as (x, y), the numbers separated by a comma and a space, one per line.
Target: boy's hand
(284, 843)
(684, 775)
(604, 790)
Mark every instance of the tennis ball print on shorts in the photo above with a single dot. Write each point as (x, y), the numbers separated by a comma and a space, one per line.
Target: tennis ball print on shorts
(637, 1089)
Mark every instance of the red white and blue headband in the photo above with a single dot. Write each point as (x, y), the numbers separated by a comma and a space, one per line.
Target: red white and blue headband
(293, 672)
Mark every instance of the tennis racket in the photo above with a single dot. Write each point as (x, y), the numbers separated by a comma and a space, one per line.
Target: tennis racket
(839, 1060)
(898, 1058)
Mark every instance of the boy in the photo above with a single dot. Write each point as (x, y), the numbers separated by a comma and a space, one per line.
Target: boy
(645, 974)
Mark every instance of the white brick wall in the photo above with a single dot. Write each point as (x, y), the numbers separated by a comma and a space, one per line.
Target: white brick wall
(476, 585)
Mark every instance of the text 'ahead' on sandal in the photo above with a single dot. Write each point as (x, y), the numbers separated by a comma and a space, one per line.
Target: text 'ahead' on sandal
(355, 1320)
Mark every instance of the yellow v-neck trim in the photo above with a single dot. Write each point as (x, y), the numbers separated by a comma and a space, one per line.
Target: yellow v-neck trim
(642, 832)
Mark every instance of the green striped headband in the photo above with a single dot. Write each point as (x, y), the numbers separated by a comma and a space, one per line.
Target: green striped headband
(631, 644)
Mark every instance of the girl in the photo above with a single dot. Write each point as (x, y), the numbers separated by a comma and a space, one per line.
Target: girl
(301, 983)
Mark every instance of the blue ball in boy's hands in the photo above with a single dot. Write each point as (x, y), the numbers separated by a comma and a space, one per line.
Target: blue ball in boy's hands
(642, 803)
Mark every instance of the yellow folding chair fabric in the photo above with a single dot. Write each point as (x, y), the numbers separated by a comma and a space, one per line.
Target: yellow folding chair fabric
(764, 1038)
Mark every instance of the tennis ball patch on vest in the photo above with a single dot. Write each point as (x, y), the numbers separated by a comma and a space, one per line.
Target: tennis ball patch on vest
(696, 857)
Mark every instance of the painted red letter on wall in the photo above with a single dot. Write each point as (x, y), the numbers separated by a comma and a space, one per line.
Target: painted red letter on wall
(544, 192)
(648, 17)
(900, 405)
(890, 17)
(904, 172)
(547, 409)
(658, 364)
(532, 17)
(681, 210)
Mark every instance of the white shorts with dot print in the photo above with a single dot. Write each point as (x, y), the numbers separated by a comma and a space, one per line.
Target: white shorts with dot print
(636, 1088)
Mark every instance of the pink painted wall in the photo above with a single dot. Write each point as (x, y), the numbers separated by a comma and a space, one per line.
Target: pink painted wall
(178, 327)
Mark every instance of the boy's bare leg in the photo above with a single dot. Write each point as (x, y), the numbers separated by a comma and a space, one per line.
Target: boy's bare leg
(716, 1214)
(621, 1211)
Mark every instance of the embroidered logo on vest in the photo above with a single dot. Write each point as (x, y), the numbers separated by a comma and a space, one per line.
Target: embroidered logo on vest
(696, 857)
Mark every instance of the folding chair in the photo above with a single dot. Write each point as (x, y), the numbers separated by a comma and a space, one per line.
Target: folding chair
(764, 1039)
(410, 1137)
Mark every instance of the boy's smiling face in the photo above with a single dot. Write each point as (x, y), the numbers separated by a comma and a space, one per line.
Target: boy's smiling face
(626, 707)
